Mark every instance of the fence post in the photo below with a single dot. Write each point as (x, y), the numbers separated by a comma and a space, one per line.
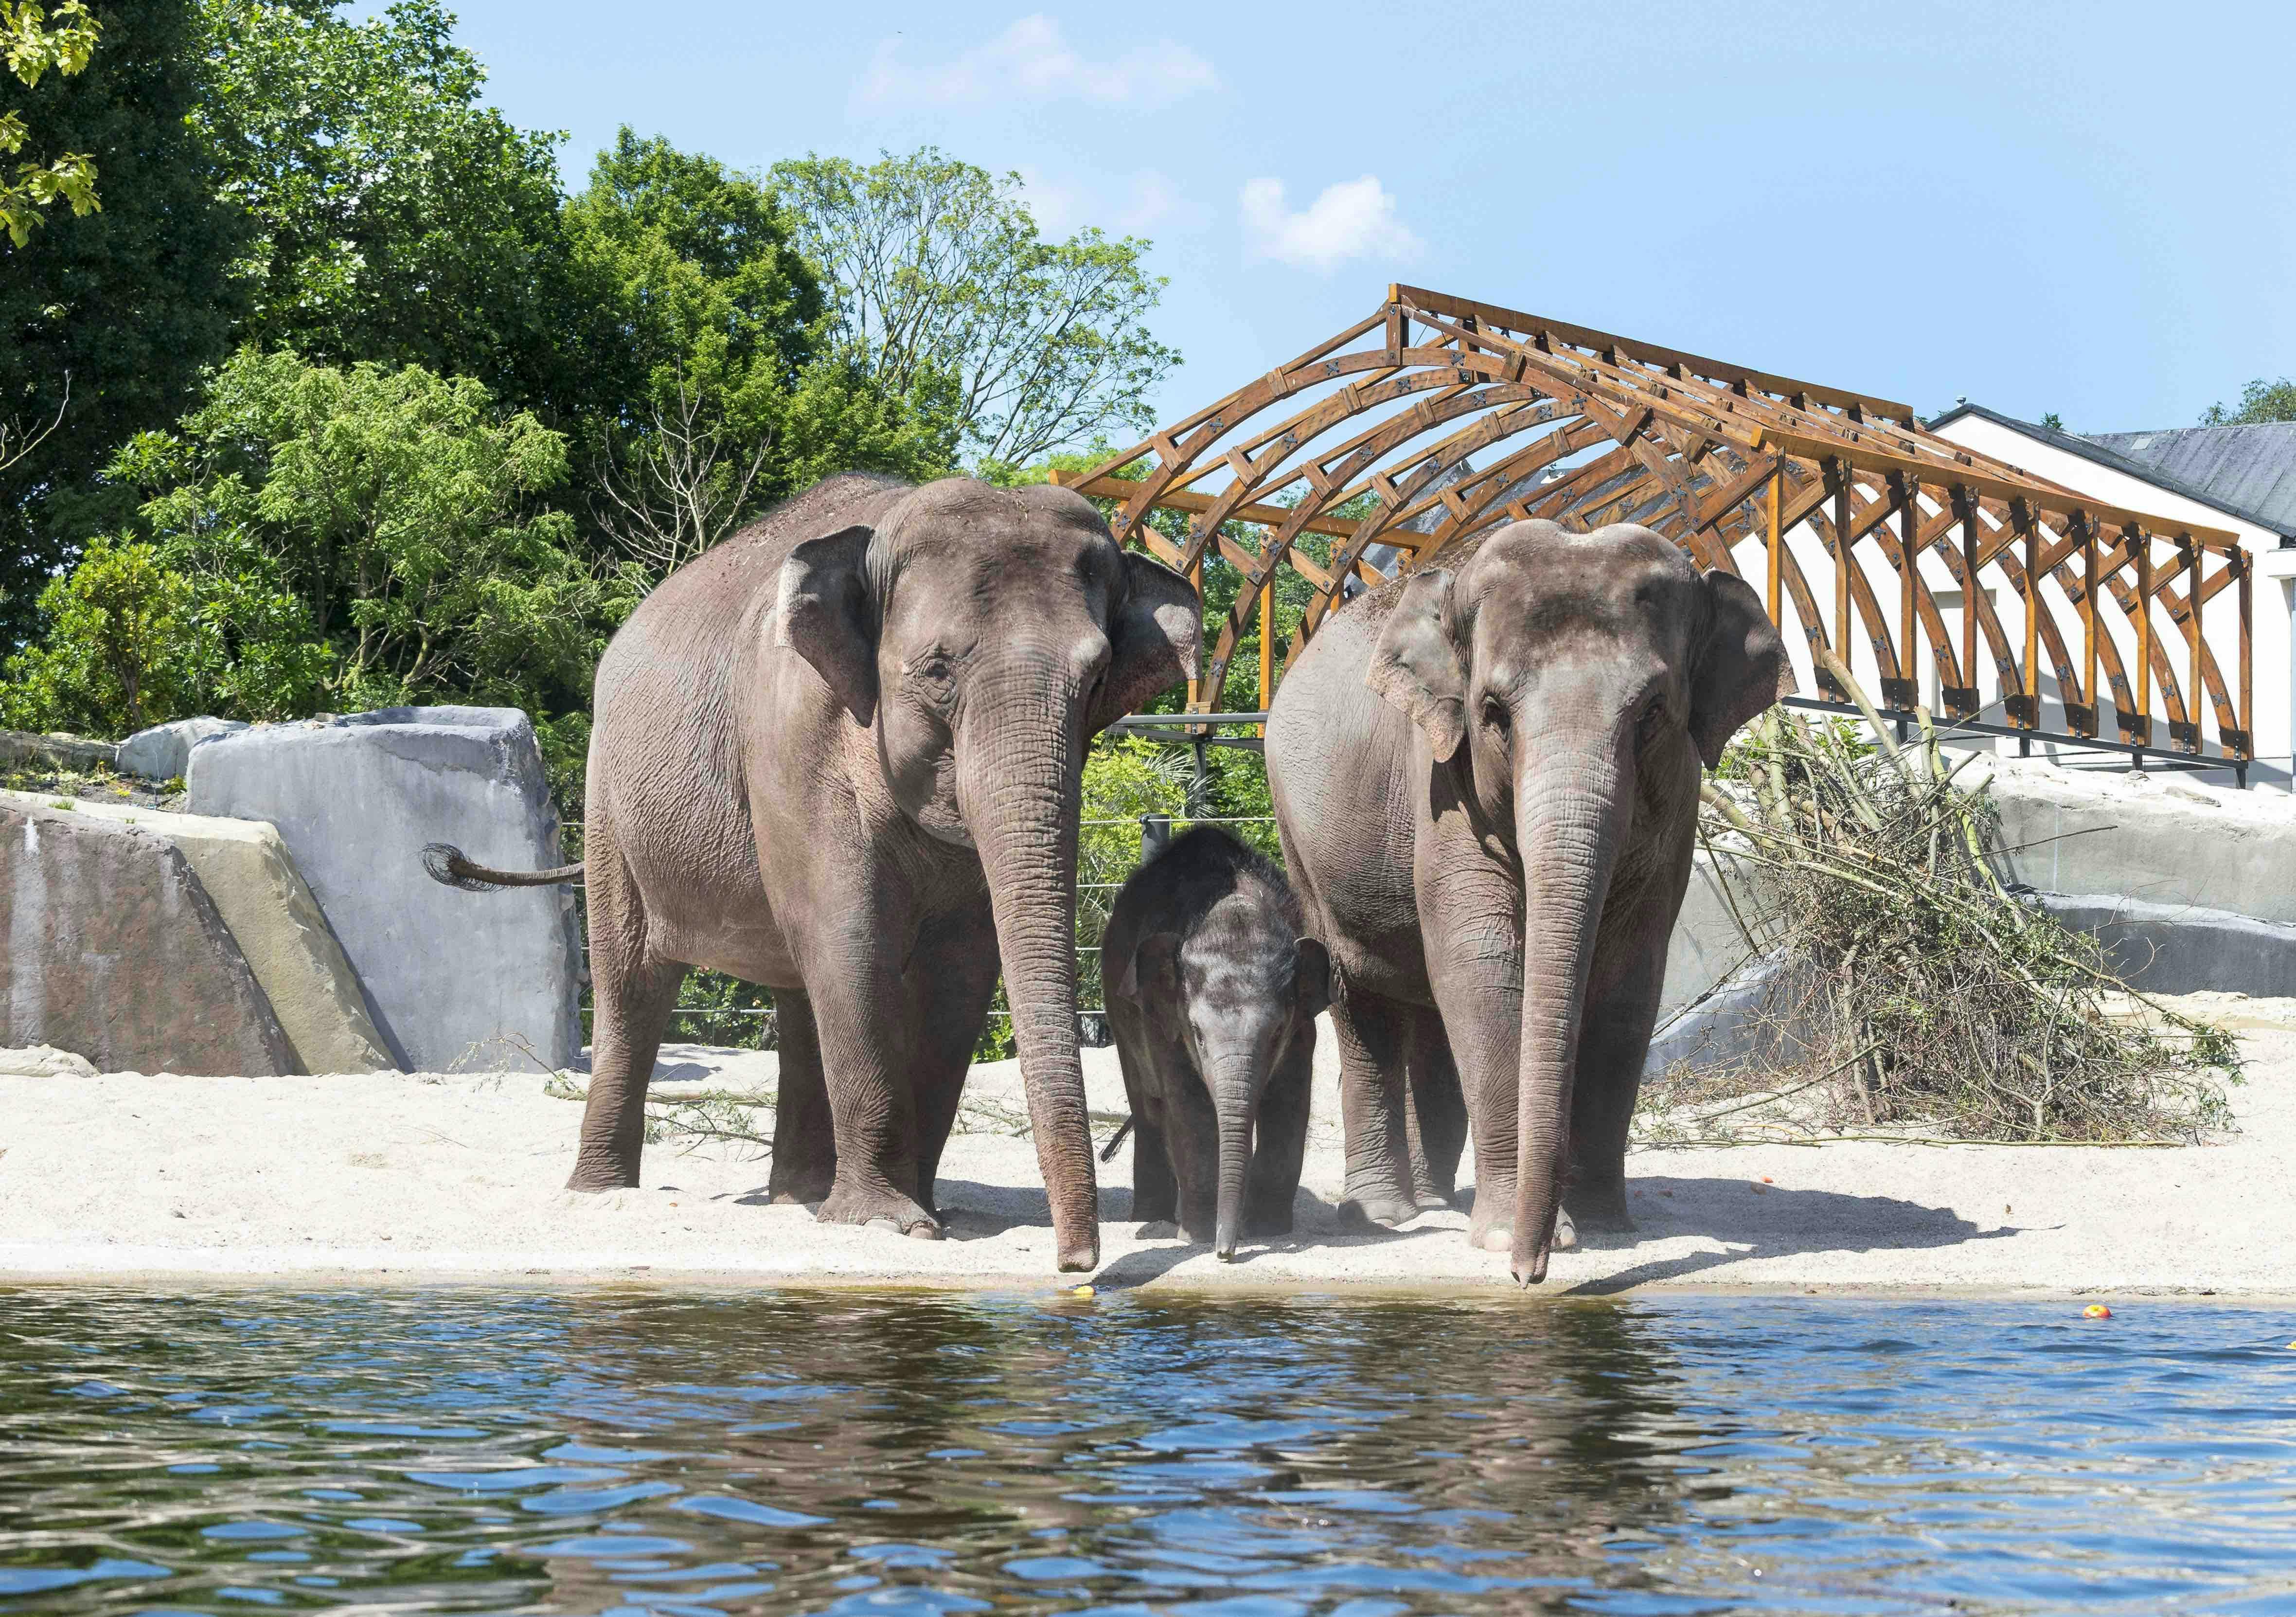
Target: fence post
(1155, 836)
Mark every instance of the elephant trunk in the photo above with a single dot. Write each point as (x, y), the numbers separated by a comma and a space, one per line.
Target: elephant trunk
(1571, 806)
(1234, 1100)
(1019, 793)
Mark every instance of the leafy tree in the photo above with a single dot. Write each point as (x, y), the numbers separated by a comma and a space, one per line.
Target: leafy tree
(107, 320)
(2259, 401)
(945, 295)
(396, 218)
(120, 631)
(30, 47)
(364, 537)
(724, 400)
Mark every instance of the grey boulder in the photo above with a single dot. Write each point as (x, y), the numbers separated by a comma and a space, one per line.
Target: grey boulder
(454, 981)
(114, 949)
(163, 751)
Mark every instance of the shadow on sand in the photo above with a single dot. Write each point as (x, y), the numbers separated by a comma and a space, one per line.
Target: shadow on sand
(1763, 1222)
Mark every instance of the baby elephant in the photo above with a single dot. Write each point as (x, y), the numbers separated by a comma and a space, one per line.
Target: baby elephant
(1212, 996)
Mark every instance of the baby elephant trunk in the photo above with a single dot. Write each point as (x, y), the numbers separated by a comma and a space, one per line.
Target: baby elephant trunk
(1235, 1101)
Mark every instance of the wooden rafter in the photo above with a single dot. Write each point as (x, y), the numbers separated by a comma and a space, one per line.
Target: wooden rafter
(1437, 418)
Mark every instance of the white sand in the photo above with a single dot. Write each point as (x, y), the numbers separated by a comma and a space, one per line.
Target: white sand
(430, 1178)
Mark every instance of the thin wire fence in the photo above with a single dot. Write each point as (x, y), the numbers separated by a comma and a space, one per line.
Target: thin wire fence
(716, 1009)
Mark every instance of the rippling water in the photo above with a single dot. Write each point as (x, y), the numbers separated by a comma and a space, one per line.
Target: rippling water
(454, 1450)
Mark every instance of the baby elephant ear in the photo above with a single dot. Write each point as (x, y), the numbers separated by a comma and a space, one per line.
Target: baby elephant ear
(1741, 667)
(1416, 665)
(1154, 961)
(1312, 978)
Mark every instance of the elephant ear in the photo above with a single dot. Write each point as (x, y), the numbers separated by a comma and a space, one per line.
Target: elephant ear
(1154, 639)
(1416, 665)
(825, 614)
(1742, 666)
(1155, 962)
(1311, 977)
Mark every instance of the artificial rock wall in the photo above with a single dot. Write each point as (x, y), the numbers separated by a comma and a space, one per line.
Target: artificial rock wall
(454, 981)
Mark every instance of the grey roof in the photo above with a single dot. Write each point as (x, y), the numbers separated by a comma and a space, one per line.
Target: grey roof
(2252, 467)
(2268, 466)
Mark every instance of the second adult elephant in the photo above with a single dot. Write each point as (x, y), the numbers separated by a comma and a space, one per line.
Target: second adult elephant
(1485, 776)
(841, 756)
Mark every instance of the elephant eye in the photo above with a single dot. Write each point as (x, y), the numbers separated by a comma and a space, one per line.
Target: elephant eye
(1654, 715)
(1494, 714)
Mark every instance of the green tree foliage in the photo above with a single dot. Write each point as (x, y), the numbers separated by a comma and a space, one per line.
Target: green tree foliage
(106, 321)
(120, 629)
(396, 218)
(944, 292)
(31, 45)
(721, 395)
(2259, 401)
(340, 538)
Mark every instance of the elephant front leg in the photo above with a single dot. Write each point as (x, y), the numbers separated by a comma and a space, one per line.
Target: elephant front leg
(1438, 1115)
(1613, 1043)
(953, 974)
(805, 1138)
(1280, 1143)
(1474, 960)
(635, 989)
(1373, 1088)
(863, 1015)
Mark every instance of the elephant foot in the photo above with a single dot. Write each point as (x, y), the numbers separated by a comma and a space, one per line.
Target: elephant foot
(884, 1208)
(1387, 1212)
(1496, 1234)
(797, 1183)
(1603, 1210)
(595, 1178)
(1264, 1225)
(1158, 1229)
(1433, 1200)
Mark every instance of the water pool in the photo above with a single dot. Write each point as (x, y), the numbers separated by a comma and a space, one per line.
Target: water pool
(465, 1450)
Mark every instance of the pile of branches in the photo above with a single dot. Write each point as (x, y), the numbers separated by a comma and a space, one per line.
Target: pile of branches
(1895, 984)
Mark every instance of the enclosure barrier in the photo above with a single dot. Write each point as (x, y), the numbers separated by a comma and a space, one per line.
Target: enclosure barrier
(1367, 438)
(1103, 864)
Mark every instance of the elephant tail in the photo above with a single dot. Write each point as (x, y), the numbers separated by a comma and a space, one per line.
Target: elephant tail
(1108, 1151)
(446, 864)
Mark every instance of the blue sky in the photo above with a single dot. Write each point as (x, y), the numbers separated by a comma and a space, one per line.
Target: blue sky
(2088, 209)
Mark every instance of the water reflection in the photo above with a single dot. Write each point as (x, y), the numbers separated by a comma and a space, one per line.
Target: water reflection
(459, 1451)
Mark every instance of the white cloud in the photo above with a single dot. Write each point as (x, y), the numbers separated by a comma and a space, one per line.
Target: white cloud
(1148, 199)
(1031, 61)
(1352, 219)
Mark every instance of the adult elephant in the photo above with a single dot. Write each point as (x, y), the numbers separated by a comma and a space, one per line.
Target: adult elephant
(840, 755)
(1486, 777)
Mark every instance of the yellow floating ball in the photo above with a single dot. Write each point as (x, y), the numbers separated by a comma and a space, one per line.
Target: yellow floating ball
(2098, 1310)
(1082, 1290)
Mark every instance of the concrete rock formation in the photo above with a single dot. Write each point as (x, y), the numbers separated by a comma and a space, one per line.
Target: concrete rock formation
(454, 981)
(115, 950)
(44, 1061)
(248, 873)
(20, 749)
(162, 752)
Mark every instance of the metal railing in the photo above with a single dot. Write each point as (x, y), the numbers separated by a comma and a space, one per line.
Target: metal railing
(1104, 863)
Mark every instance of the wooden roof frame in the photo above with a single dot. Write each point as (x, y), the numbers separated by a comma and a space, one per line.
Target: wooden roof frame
(1389, 412)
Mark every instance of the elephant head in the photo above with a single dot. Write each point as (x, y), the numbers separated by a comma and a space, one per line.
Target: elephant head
(1573, 683)
(983, 637)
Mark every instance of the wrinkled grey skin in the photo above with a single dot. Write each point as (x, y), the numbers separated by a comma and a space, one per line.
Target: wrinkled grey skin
(1212, 997)
(840, 755)
(1485, 776)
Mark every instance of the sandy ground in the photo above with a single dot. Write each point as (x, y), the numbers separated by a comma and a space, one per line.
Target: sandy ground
(426, 1177)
